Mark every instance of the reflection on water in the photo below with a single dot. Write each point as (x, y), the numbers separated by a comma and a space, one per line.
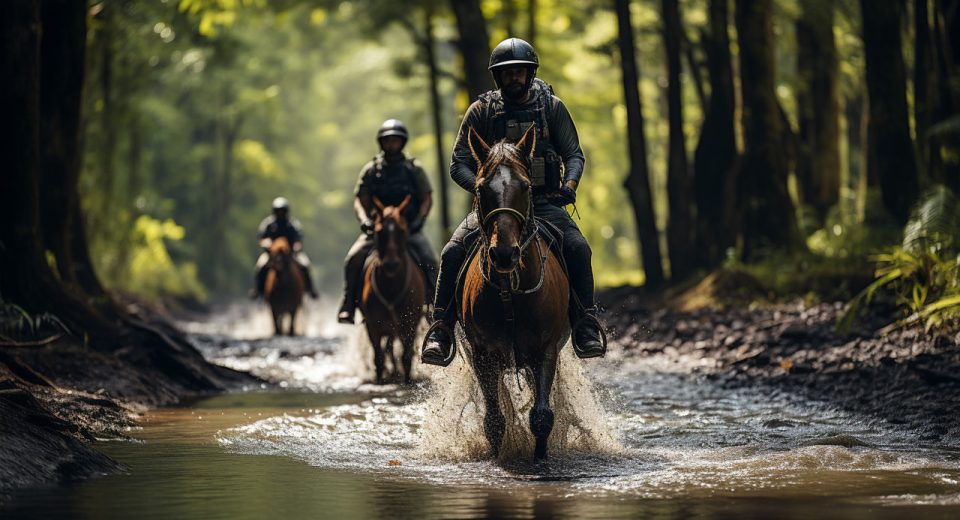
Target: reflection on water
(658, 442)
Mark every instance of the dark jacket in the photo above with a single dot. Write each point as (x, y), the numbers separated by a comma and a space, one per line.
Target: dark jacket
(483, 116)
(272, 228)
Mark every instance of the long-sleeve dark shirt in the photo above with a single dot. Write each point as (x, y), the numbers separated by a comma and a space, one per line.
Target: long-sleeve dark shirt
(563, 137)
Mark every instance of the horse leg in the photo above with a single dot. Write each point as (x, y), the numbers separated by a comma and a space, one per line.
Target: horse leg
(376, 341)
(388, 350)
(277, 323)
(406, 357)
(293, 320)
(488, 374)
(541, 416)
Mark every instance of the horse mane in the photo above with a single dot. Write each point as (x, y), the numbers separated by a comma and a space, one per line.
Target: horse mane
(503, 153)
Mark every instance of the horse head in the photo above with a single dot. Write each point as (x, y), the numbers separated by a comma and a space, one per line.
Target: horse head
(503, 196)
(280, 254)
(390, 232)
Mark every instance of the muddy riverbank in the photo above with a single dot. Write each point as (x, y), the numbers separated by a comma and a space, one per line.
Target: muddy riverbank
(905, 376)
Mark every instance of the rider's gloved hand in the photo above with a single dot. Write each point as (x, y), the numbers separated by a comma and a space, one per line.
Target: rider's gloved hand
(367, 226)
(565, 195)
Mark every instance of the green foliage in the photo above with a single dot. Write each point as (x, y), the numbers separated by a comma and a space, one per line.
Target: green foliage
(146, 268)
(923, 273)
(17, 321)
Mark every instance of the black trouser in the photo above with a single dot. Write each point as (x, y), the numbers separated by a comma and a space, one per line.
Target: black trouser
(576, 253)
(419, 247)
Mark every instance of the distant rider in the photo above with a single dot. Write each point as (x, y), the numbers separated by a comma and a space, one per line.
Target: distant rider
(280, 224)
(390, 177)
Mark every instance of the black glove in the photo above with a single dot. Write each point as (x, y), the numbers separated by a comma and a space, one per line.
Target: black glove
(565, 195)
(367, 227)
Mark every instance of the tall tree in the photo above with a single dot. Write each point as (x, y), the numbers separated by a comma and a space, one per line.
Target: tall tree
(890, 150)
(923, 81)
(25, 277)
(62, 50)
(715, 158)
(767, 215)
(680, 229)
(637, 182)
(436, 110)
(474, 45)
(818, 108)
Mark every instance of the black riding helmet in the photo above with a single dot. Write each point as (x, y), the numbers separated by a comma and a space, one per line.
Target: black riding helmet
(393, 127)
(514, 52)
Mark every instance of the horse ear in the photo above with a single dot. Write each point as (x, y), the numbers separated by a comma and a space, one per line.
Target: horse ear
(528, 143)
(406, 200)
(478, 147)
(378, 203)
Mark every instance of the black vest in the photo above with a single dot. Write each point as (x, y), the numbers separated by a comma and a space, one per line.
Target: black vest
(510, 123)
(393, 181)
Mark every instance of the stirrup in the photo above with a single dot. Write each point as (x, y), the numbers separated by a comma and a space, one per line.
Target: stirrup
(582, 354)
(440, 324)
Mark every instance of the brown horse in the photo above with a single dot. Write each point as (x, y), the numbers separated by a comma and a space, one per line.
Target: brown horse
(515, 294)
(393, 290)
(284, 285)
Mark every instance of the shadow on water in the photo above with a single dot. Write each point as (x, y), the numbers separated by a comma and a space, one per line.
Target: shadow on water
(650, 440)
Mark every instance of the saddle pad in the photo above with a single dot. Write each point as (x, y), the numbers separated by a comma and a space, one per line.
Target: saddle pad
(550, 234)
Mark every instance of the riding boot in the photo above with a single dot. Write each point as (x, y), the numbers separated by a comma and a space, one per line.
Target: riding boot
(348, 305)
(589, 340)
(260, 280)
(438, 346)
(308, 281)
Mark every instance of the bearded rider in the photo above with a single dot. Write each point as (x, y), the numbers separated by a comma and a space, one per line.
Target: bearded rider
(521, 100)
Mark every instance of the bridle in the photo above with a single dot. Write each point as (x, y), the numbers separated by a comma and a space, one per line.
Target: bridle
(508, 284)
(390, 304)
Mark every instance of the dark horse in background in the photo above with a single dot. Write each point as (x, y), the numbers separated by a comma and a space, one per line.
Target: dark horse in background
(394, 290)
(515, 294)
(284, 285)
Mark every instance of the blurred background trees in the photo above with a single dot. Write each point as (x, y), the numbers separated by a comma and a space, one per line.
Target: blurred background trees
(715, 131)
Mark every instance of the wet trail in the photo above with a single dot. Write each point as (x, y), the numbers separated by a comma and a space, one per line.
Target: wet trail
(634, 436)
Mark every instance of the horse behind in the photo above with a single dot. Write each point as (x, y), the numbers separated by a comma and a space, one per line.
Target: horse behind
(284, 285)
(514, 298)
(394, 290)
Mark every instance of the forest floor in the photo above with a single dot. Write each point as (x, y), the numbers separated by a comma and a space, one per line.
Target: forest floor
(55, 397)
(905, 376)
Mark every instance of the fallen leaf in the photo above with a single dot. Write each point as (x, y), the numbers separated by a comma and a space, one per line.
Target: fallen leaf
(393, 462)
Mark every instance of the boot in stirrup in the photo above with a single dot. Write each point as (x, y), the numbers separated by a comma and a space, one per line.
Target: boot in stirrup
(589, 340)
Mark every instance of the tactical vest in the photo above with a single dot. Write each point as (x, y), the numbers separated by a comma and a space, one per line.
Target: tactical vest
(392, 182)
(546, 167)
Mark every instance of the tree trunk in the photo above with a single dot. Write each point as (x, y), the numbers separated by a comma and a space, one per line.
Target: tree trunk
(436, 109)
(945, 147)
(890, 151)
(680, 221)
(25, 277)
(923, 84)
(61, 80)
(768, 220)
(716, 154)
(818, 109)
(637, 182)
(532, 22)
(474, 46)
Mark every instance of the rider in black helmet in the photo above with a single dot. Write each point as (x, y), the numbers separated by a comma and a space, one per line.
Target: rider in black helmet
(280, 224)
(390, 177)
(520, 101)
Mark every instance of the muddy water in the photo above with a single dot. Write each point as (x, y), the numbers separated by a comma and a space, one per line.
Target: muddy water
(635, 437)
